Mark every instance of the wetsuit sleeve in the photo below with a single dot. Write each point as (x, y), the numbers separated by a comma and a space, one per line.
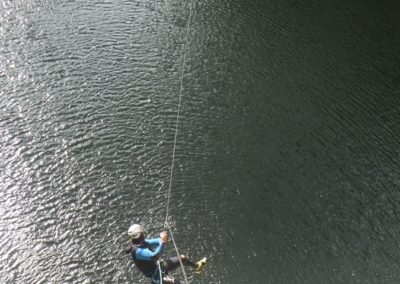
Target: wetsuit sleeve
(147, 254)
(153, 242)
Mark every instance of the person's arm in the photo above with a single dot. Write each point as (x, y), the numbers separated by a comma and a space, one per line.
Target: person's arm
(146, 254)
(153, 242)
(160, 243)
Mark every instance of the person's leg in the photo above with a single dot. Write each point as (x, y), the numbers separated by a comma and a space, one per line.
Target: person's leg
(170, 280)
(187, 262)
(173, 263)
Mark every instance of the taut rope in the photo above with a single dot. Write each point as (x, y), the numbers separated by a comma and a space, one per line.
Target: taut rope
(175, 140)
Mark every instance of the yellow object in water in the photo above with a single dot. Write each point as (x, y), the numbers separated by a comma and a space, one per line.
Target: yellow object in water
(200, 265)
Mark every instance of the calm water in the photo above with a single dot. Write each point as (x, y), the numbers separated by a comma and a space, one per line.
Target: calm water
(288, 155)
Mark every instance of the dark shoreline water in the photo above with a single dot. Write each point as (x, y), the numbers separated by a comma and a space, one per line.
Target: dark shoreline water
(288, 145)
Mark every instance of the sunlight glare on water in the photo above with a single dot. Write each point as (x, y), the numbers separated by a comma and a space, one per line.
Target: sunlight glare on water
(287, 156)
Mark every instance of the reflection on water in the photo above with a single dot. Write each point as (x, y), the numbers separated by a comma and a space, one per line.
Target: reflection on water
(287, 154)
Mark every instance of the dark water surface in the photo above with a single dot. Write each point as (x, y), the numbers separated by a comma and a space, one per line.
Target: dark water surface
(288, 155)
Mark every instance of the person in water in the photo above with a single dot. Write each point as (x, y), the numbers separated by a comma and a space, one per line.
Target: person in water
(147, 252)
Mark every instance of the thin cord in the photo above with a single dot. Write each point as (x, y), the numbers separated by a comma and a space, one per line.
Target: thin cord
(177, 253)
(160, 271)
(175, 140)
(178, 112)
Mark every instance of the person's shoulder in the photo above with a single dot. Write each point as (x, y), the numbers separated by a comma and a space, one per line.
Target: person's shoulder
(129, 248)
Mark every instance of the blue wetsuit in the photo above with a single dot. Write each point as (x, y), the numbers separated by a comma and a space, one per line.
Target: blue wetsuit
(153, 249)
(146, 254)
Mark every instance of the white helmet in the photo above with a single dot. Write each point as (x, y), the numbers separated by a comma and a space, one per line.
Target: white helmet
(135, 231)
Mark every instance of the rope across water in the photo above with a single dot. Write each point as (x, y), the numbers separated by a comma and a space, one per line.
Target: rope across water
(175, 140)
(178, 111)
